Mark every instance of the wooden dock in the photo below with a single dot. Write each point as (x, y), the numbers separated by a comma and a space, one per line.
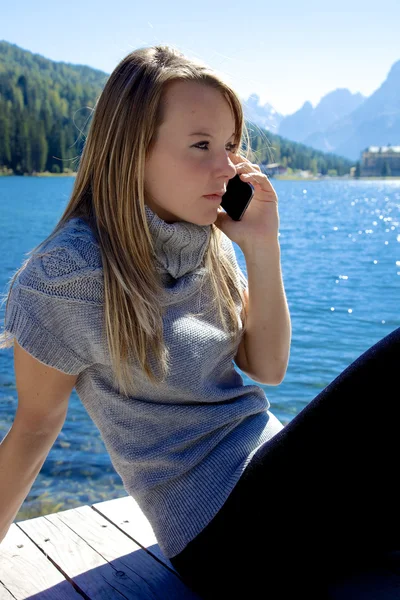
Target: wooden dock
(105, 551)
(109, 551)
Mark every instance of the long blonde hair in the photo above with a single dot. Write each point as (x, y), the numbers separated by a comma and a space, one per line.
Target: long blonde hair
(109, 194)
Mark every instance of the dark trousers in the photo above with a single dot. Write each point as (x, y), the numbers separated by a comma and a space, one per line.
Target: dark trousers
(318, 501)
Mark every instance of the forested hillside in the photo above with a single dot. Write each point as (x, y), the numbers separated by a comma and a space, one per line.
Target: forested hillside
(271, 148)
(45, 107)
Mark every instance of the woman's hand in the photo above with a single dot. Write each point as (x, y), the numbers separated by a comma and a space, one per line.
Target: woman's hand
(260, 222)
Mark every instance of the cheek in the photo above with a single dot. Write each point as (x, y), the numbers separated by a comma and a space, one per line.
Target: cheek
(171, 176)
(198, 166)
(187, 171)
(159, 172)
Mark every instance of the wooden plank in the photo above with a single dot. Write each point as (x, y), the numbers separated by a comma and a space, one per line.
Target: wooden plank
(126, 511)
(120, 550)
(5, 594)
(25, 571)
(102, 562)
(91, 574)
(126, 514)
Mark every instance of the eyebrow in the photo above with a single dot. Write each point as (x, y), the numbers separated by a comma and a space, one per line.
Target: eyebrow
(207, 134)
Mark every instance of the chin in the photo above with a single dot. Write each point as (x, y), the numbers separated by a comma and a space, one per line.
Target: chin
(203, 222)
(207, 219)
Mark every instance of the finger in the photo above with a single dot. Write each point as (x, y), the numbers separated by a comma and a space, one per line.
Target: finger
(243, 163)
(243, 168)
(259, 178)
(247, 161)
(238, 158)
(242, 157)
(247, 168)
(235, 157)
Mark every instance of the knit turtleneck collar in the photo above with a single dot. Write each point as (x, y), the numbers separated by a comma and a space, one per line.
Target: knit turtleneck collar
(179, 246)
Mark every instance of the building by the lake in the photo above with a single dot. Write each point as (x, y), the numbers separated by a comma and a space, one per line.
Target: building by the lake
(380, 161)
(273, 169)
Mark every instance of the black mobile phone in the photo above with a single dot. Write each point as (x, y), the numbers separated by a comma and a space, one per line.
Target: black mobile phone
(237, 197)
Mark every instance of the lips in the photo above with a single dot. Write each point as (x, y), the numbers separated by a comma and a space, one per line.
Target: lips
(219, 193)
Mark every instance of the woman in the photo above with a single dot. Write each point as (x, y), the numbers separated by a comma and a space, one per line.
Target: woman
(137, 300)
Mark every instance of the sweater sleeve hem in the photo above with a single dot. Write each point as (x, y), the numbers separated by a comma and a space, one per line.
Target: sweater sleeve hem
(243, 279)
(41, 344)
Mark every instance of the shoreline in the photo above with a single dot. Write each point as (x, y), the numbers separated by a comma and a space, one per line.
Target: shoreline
(277, 177)
(329, 178)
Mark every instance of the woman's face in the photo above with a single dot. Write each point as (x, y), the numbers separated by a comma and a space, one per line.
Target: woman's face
(184, 164)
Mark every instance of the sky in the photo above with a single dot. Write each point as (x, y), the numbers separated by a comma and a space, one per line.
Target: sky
(286, 52)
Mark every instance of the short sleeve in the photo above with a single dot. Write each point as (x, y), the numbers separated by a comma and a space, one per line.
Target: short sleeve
(229, 250)
(54, 309)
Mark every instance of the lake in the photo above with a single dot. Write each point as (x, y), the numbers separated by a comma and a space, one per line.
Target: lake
(340, 250)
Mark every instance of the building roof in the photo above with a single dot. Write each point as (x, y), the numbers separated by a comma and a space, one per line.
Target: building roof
(377, 149)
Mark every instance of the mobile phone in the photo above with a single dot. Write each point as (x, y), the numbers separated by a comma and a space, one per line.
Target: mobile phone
(237, 197)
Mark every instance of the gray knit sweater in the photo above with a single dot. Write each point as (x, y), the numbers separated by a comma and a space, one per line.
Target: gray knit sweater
(179, 448)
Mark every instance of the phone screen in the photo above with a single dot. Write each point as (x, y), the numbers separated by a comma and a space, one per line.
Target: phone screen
(237, 197)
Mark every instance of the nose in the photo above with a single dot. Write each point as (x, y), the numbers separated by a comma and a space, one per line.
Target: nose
(226, 168)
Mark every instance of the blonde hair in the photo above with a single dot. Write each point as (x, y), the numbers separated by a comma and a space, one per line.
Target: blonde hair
(109, 194)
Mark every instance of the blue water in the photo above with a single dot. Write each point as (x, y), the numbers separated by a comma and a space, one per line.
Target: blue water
(340, 245)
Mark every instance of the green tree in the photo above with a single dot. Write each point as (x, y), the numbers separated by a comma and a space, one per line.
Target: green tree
(5, 146)
(313, 166)
(322, 166)
(21, 151)
(39, 148)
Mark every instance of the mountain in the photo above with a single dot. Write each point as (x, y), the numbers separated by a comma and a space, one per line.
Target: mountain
(298, 125)
(308, 120)
(264, 116)
(376, 122)
(342, 123)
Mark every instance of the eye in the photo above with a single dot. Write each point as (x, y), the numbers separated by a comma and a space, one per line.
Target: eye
(231, 147)
(201, 144)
